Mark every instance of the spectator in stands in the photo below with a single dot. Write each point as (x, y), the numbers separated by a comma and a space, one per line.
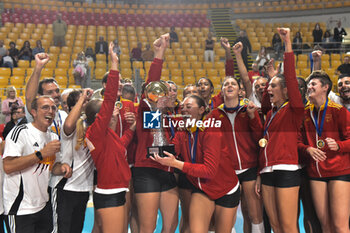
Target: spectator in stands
(345, 67)
(277, 45)
(11, 100)
(26, 52)
(3, 50)
(209, 48)
(116, 48)
(90, 55)
(317, 34)
(101, 47)
(339, 32)
(7, 61)
(39, 48)
(327, 41)
(13, 52)
(59, 28)
(297, 43)
(173, 36)
(128, 92)
(262, 57)
(29, 159)
(136, 53)
(18, 117)
(148, 54)
(82, 71)
(246, 46)
(255, 72)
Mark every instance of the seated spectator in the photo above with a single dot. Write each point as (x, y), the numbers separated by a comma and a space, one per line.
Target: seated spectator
(345, 67)
(317, 34)
(148, 54)
(327, 41)
(209, 48)
(255, 72)
(13, 52)
(297, 43)
(18, 117)
(3, 50)
(339, 33)
(11, 99)
(39, 48)
(82, 71)
(26, 52)
(262, 57)
(173, 36)
(7, 61)
(116, 48)
(101, 47)
(277, 45)
(135, 54)
(90, 55)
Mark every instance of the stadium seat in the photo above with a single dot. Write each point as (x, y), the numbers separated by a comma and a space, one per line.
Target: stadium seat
(4, 81)
(23, 63)
(177, 79)
(99, 73)
(18, 71)
(17, 81)
(189, 80)
(62, 80)
(5, 72)
(63, 64)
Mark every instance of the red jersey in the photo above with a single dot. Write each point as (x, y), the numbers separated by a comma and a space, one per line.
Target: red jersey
(336, 126)
(108, 150)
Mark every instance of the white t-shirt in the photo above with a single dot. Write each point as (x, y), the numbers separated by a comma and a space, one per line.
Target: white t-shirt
(24, 140)
(337, 99)
(83, 165)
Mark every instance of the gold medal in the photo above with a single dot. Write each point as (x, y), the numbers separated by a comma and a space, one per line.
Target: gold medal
(262, 142)
(119, 104)
(320, 144)
(246, 101)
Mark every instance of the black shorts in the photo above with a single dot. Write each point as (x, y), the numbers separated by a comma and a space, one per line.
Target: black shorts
(227, 201)
(281, 178)
(40, 222)
(183, 182)
(150, 180)
(108, 200)
(327, 179)
(248, 175)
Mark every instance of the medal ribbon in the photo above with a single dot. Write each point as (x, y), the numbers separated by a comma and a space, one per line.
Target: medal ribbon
(273, 116)
(56, 126)
(193, 149)
(319, 129)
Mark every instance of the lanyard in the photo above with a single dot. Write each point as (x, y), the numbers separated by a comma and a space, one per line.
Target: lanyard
(172, 130)
(273, 116)
(57, 126)
(193, 149)
(319, 128)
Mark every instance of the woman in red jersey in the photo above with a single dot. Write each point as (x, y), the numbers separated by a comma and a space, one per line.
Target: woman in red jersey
(279, 161)
(209, 168)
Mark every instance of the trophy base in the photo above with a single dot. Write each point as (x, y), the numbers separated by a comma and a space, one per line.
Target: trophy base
(160, 149)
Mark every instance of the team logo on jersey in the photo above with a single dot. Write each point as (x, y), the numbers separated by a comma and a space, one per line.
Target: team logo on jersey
(36, 144)
(151, 120)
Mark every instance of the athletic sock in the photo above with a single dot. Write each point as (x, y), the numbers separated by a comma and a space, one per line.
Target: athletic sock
(258, 228)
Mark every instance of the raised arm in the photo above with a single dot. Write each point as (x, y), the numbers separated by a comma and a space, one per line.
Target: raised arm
(237, 49)
(160, 46)
(316, 56)
(229, 65)
(32, 85)
(74, 114)
(294, 95)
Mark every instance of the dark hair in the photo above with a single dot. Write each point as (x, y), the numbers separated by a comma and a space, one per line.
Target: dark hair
(210, 83)
(91, 109)
(12, 43)
(128, 89)
(34, 104)
(323, 77)
(302, 80)
(45, 81)
(343, 76)
(105, 76)
(282, 80)
(184, 90)
(201, 103)
(237, 80)
(73, 98)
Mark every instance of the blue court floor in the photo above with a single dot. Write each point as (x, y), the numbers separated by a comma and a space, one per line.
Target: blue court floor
(89, 221)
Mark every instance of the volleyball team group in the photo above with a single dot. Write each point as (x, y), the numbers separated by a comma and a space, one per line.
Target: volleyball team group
(281, 140)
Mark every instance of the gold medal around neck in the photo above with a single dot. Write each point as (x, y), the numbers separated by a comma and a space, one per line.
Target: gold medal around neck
(320, 144)
(246, 101)
(119, 104)
(262, 142)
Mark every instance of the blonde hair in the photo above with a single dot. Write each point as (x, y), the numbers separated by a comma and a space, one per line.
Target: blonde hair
(81, 130)
(11, 88)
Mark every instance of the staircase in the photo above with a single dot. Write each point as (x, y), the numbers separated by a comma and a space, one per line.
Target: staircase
(221, 21)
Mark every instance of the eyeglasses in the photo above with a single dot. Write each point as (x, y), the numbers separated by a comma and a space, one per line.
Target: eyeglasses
(47, 108)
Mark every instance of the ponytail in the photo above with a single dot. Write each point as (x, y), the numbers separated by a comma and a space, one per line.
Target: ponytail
(81, 129)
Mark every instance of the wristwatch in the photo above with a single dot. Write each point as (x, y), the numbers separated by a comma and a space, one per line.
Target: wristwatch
(39, 155)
